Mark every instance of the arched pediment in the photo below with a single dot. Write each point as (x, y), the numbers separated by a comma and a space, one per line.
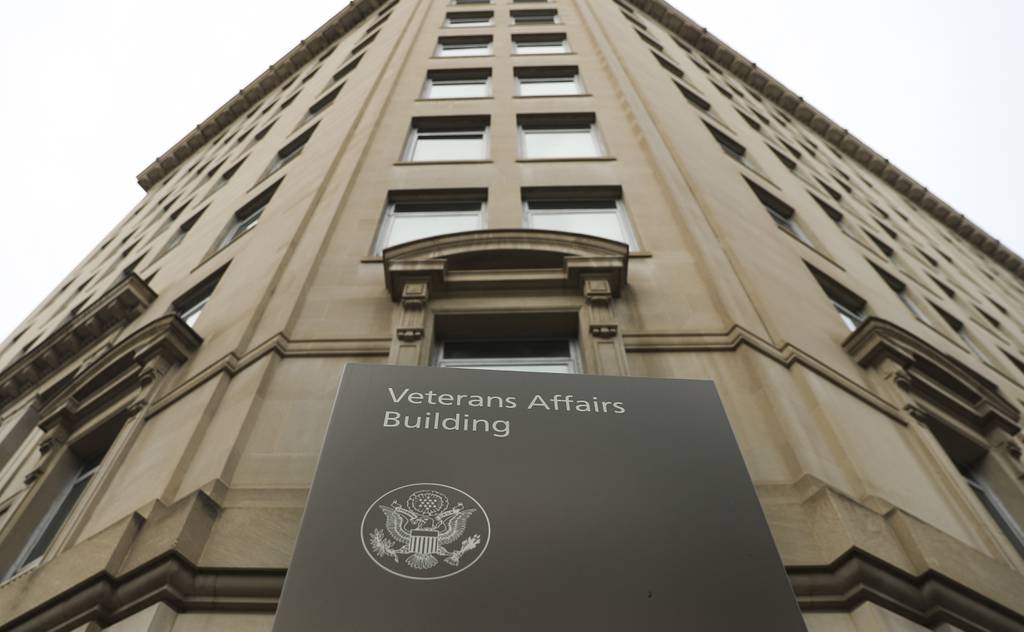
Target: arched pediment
(513, 258)
(119, 372)
(933, 377)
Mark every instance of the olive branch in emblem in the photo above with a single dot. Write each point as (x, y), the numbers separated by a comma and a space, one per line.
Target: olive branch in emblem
(382, 546)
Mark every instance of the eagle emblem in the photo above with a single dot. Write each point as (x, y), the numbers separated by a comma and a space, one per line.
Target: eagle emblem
(424, 537)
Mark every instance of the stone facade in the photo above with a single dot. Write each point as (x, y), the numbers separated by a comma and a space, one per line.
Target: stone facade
(162, 411)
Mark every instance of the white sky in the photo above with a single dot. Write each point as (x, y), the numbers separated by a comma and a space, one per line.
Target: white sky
(96, 90)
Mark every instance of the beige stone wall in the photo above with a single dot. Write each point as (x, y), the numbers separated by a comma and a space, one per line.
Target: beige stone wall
(198, 501)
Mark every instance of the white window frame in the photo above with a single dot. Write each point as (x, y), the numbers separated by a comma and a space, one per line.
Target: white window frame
(416, 134)
(242, 225)
(452, 45)
(575, 79)
(391, 214)
(1006, 522)
(468, 79)
(788, 224)
(850, 317)
(517, 45)
(573, 362)
(534, 13)
(619, 211)
(484, 20)
(540, 127)
(83, 473)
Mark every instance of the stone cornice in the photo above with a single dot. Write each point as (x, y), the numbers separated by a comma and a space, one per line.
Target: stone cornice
(117, 307)
(506, 259)
(746, 70)
(854, 578)
(932, 375)
(335, 28)
(929, 599)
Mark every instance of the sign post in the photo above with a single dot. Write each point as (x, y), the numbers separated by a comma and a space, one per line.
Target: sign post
(453, 500)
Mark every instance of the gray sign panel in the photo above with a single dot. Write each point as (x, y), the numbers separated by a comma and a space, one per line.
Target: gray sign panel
(453, 500)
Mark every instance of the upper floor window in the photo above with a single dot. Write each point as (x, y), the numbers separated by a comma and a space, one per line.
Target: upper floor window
(535, 16)
(548, 81)
(412, 215)
(191, 305)
(540, 44)
(466, 19)
(781, 213)
(534, 356)
(730, 146)
(559, 136)
(448, 139)
(469, 46)
(901, 291)
(290, 151)
(458, 84)
(247, 217)
(850, 307)
(179, 235)
(596, 211)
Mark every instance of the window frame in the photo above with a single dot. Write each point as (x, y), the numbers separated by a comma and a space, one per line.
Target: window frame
(398, 198)
(548, 74)
(86, 471)
(580, 196)
(468, 76)
(447, 126)
(464, 42)
(551, 14)
(487, 16)
(562, 123)
(539, 38)
(572, 362)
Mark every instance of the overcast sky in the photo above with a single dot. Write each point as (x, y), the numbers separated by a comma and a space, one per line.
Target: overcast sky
(94, 91)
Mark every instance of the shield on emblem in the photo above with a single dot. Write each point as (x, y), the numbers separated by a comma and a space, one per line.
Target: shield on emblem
(424, 541)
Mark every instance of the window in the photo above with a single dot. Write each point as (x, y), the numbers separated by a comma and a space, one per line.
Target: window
(322, 104)
(732, 148)
(54, 518)
(471, 1)
(412, 215)
(247, 217)
(346, 69)
(363, 44)
(849, 306)
(596, 211)
(540, 44)
(900, 288)
(781, 213)
(835, 216)
(224, 177)
(466, 19)
(558, 136)
(693, 97)
(754, 125)
(179, 235)
(534, 356)
(649, 40)
(961, 331)
(669, 66)
(290, 151)
(464, 46)
(990, 500)
(191, 305)
(548, 81)
(458, 84)
(448, 139)
(537, 16)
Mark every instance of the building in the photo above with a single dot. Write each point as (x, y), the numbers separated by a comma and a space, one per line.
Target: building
(598, 187)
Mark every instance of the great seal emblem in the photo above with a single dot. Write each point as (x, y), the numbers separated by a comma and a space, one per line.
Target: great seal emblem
(419, 531)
